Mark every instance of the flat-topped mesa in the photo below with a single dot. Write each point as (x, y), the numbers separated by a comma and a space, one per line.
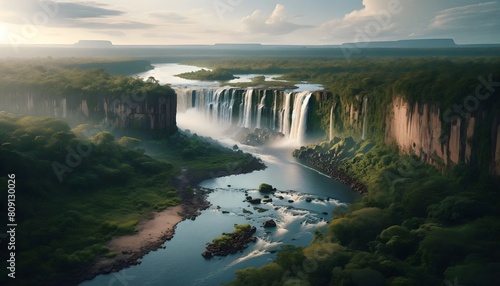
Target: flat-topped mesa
(93, 44)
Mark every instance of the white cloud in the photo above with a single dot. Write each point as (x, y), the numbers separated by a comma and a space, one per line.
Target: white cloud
(378, 19)
(275, 24)
(469, 16)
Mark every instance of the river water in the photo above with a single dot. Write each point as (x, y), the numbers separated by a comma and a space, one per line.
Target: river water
(180, 262)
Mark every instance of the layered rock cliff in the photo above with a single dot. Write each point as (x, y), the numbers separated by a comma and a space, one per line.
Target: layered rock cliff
(420, 129)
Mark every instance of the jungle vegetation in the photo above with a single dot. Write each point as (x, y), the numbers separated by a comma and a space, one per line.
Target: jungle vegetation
(414, 226)
(79, 186)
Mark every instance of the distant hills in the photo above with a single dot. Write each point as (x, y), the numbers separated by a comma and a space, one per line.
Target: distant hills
(93, 44)
(175, 53)
(399, 44)
(418, 43)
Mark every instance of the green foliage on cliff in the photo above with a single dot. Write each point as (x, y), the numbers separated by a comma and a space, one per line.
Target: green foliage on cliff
(442, 81)
(414, 226)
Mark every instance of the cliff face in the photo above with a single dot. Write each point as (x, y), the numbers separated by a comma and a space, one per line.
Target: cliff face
(154, 114)
(418, 129)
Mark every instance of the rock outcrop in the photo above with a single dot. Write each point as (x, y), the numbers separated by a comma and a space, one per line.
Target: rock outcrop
(420, 129)
(231, 243)
(131, 113)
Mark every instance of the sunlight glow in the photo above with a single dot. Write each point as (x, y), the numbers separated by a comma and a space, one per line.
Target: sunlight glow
(3, 34)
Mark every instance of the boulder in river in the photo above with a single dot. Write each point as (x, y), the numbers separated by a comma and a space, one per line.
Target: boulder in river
(269, 223)
(254, 201)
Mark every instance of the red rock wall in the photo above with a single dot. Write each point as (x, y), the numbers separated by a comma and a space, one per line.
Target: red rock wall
(417, 129)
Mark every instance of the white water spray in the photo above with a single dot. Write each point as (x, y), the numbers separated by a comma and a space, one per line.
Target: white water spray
(259, 110)
(299, 117)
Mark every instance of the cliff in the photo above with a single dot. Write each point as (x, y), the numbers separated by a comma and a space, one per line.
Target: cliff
(152, 112)
(472, 138)
(419, 129)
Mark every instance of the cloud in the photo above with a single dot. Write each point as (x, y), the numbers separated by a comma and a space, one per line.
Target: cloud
(87, 15)
(275, 24)
(468, 17)
(171, 17)
(58, 10)
(122, 25)
(85, 10)
(112, 33)
(377, 19)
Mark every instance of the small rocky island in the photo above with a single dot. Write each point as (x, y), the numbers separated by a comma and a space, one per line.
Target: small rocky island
(230, 243)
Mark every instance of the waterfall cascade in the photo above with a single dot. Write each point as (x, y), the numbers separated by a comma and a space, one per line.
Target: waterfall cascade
(365, 111)
(277, 110)
(332, 120)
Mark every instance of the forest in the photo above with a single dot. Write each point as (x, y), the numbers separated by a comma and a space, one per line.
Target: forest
(208, 75)
(78, 185)
(414, 226)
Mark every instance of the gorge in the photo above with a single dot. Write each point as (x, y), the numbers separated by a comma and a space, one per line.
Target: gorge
(308, 116)
(302, 117)
(307, 201)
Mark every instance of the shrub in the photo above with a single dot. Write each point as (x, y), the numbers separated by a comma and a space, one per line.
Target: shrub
(265, 188)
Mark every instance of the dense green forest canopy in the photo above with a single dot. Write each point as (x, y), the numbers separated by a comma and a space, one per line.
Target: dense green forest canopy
(420, 228)
(56, 78)
(78, 188)
(73, 193)
(440, 80)
(208, 75)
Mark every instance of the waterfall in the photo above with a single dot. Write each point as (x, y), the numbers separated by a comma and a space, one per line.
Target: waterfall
(331, 122)
(365, 111)
(259, 110)
(299, 117)
(285, 129)
(275, 112)
(247, 109)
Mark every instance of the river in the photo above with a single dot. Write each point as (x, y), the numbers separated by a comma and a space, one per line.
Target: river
(180, 262)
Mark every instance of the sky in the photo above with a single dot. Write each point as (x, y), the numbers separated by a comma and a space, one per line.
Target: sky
(313, 22)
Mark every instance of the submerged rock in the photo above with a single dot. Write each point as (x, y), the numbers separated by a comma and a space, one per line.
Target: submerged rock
(254, 201)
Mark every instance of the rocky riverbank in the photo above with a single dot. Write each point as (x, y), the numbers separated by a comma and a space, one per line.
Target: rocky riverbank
(332, 158)
(160, 227)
